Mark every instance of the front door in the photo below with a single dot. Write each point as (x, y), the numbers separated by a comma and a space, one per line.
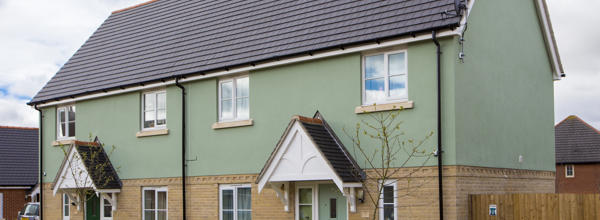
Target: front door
(332, 204)
(92, 207)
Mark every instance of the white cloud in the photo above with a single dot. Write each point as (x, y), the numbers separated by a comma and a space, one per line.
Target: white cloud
(37, 38)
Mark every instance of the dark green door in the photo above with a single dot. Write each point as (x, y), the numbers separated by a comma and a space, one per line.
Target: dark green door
(92, 207)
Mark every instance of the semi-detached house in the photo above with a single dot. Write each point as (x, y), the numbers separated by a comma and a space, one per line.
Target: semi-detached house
(249, 100)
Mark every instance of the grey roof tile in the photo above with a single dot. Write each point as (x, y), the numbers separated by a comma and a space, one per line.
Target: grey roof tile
(18, 156)
(169, 38)
(576, 141)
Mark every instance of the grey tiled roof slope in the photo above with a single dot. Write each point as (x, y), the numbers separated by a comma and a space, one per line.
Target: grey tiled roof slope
(18, 156)
(576, 142)
(169, 38)
(106, 179)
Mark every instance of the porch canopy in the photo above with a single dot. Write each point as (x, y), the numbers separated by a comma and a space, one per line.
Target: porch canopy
(309, 150)
(87, 166)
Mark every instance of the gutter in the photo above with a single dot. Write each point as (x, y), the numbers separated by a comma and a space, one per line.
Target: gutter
(41, 180)
(183, 166)
(439, 125)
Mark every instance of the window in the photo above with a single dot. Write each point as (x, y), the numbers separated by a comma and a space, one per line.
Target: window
(234, 98)
(1, 206)
(385, 78)
(154, 109)
(65, 122)
(305, 203)
(236, 202)
(388, 202)
(155, 205)
(106, 210)
(66, 207)
(570, 171)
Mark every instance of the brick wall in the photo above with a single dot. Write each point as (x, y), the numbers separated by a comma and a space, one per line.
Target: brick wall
(417, 192)
(13, 202)
(586, 180)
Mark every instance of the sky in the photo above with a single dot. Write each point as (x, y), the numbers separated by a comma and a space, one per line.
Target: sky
(37, 37)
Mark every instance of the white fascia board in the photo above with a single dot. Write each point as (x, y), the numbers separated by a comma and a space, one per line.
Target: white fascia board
(548, 32)
(372, 46)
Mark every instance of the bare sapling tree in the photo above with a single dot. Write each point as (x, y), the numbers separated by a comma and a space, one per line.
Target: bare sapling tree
(98, 168)
(385, 148)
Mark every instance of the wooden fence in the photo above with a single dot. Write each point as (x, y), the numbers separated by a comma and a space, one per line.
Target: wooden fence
(536, 206)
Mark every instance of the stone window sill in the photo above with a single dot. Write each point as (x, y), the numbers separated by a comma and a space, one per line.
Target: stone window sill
(384, 107)
(232, 124)
(148, 133)
(63, 142)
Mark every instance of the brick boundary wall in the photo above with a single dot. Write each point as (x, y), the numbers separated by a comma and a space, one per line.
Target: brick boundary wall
(13, 201)
(417, 195)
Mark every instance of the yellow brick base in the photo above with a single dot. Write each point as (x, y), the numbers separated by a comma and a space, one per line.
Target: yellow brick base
(417, 194)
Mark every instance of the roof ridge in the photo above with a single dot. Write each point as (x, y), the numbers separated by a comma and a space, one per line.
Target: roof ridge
(307, 119)
(17, 127)
(570, 117)
(133, 6)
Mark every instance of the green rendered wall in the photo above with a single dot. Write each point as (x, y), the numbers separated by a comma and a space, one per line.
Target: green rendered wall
(504, 90)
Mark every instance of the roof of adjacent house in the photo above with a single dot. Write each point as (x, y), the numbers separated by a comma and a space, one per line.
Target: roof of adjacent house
(576, 141)
(18, 156)
(164, 39)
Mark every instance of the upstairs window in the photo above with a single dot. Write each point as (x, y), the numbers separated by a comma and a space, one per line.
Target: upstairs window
(65, 122)
(154, 110)
(385, 78)
(234, 99)
(570, 171)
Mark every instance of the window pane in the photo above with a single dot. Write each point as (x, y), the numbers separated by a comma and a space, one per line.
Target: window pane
(149, 118)
(305, 196)
(71, 129)
(398, 86)
(374, 90)
(397, 63)
(227, 215)
(242, 87)
(162, 200)
(162, 215)
(244, 215)
(66, 210)
(71, 113)
(62, 116)
(226, 90)
(149, 199)
(107, 211)
(227, 199)
(161, 100)
(388, 194)
(374, 66)
(161, 117)
(226, 109)
(242, 108)
(388, 212)
(65, 199)
(149, 215)
(63, 130)
(244, 198)
(305, 212)
(149, 102)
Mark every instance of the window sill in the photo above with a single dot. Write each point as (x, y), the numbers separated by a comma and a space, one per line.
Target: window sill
(232, 124)
(384, 107)
(60, 142)
(148, 133)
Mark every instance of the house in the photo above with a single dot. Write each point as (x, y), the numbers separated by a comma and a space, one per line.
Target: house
(577, 156)
(207, 103)
(18, 168)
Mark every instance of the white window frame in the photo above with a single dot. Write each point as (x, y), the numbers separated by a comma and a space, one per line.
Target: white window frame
(315, 199)
(233, 187)
(386, 77)
(572, 170)
(65, 108)
(393, 183)
(1, 205)
(102, 204)
(233, 98)
(67, 206)
(143, 110)
(156, 190)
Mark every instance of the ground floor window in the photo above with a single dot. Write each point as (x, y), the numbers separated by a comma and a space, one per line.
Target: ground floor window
(388, 203)
(305, 202)
(66, 207)
(155, 205)
(235, 202)
(1, 206)
(570, 170)
(106, 209)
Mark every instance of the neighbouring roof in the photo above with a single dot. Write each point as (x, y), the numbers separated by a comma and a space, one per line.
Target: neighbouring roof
(166, 38)
(102, 179)
(576, 141)
(18, 156)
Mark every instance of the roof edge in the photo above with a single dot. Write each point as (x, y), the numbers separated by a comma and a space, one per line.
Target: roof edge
(17, 127)
(133, 6)
(549, 39)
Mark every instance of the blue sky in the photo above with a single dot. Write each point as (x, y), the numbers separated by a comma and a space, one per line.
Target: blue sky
(38, 36)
